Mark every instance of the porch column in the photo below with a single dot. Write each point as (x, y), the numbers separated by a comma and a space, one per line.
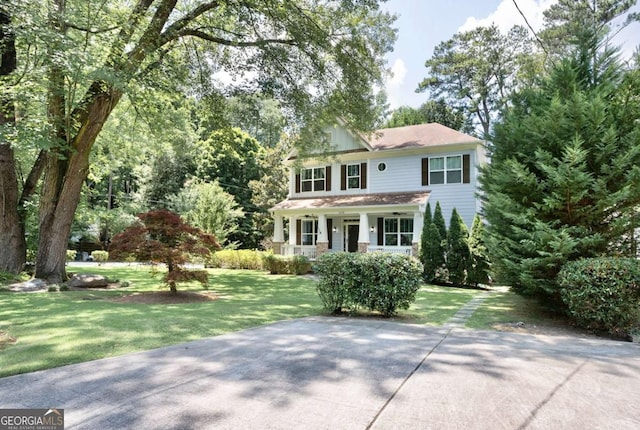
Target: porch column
(363, 233)
(418, 222)
(322, 243)
(292, 231)
(278, 234)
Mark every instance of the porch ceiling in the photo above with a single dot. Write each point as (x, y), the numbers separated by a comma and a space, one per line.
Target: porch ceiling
(355, 200)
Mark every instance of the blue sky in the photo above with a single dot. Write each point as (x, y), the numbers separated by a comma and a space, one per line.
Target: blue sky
(423, 24)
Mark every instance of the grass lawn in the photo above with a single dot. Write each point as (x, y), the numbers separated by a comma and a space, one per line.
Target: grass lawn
(55, 329)
(508, 307)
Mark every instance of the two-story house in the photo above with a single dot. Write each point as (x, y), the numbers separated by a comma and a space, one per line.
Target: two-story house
(372, 194)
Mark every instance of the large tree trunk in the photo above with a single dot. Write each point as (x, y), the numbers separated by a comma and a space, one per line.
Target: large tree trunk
(62, 185)
(12, 238)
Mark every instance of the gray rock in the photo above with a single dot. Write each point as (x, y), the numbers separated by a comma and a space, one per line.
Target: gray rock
(88, 281)
(30, 286)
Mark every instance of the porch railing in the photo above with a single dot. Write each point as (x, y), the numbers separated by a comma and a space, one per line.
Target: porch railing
(309, 251)
(405, 250)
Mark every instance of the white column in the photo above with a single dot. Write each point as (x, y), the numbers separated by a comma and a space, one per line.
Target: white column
(322, 228)
(363, 233)
(418, 221)
(278, 228)
(292, 231)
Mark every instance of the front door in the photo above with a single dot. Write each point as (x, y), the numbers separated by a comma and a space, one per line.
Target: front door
(352, 231)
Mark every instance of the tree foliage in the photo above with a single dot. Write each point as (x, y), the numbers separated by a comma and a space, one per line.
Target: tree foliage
(564, 182)
(207, 206)
(163, 237)
(458, 261)
(438, 220)
(431, 111)
(475, 71)
(82, 57)
(478, 272)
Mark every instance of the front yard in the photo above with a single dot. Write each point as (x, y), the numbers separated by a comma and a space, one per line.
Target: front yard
(45, 330)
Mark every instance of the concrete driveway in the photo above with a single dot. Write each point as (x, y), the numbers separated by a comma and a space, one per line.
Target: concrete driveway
(338, 373)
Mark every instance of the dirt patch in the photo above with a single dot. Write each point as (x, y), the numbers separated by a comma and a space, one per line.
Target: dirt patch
(6, 339)
(559, 328)
(167, 298)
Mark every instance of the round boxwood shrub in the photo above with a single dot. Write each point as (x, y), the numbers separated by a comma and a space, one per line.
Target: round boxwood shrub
(377, 281)
(602, 293)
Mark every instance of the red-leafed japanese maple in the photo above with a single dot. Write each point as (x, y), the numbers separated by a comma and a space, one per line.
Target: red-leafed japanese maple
(163, 237)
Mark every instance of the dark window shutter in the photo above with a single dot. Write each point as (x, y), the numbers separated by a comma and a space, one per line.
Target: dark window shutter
(363, 175)
(298, 232)
(327, 177)
(297, 182)
(380, 231)
(425, 171)
(343, 177)
(330, 232)
(466, 169)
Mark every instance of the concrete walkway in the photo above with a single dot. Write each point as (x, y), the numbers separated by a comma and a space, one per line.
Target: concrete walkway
(341, 373)
(465, 312)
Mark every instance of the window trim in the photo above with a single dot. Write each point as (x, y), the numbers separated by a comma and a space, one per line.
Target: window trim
(358, 176)
(399, 233)
(445, 170)
(313, 179)
(313, 234)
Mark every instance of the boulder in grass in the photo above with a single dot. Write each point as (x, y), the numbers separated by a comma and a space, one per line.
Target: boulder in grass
(30, 286)
(88, 281)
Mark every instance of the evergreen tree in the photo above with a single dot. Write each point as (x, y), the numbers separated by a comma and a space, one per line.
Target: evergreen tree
(432, 252)
(478, 272)
(458, 254)
(564, 181)
(438, 220)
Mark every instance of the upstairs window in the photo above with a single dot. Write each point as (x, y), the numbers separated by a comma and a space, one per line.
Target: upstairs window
(313, 179)
(453, 169)
(353, 176)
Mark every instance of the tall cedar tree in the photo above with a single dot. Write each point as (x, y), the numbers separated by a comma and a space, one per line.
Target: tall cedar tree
(438, 220)
(431, 252)
(163, 237)
(478, 272)
(564, 181)
(458, 255)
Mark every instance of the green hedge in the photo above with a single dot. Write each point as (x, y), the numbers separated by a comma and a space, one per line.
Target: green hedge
(377, 281)
(602, 293)
(245, 259)
(289, 265)
(100, 256)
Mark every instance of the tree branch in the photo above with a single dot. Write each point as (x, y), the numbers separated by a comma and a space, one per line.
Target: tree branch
(237, 43)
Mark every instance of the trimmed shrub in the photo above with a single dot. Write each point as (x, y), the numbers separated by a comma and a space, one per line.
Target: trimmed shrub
(245, 259)
(602, 293)
(286, 265)
(379, 281)
(71, 254)
(458, 254)
(100, 256)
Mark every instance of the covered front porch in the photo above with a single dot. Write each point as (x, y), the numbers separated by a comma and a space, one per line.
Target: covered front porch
(390, 222)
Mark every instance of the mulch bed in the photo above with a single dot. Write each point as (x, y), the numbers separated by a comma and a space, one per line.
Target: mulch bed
(167, 297)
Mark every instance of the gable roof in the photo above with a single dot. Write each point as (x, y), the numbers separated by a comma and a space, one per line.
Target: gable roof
(416, 136)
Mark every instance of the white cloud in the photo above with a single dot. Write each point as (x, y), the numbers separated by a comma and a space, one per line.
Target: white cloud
(399, 70)
(506, 15)
(395, 82)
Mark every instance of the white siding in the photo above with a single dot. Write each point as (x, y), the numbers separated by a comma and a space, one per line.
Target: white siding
(342, 140)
